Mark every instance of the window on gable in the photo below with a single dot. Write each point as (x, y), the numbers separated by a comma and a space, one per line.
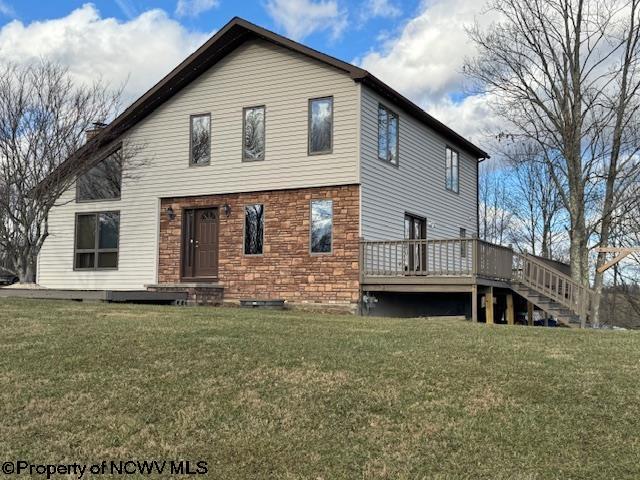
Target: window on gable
(200, 137)
(253, 134)
(97, 241)
(253, 229)
(387, 135)
(320, 125)
(451, 170)
(321, 226)
(103, 181)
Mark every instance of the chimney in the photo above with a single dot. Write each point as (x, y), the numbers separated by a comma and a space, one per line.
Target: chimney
(94, 130)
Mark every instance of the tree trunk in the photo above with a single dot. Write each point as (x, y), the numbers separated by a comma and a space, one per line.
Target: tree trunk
(27, 270)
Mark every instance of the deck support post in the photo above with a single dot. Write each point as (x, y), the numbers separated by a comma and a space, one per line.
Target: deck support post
(474, 303)
(530, 314)
(488, 302)
(510, 312)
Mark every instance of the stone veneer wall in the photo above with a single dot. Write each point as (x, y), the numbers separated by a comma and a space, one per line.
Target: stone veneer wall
(286, 270)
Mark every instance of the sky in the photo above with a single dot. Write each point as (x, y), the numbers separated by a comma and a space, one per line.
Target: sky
(416, 46)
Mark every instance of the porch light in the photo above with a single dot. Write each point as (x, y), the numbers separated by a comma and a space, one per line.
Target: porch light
(226, 208)
(170, 213)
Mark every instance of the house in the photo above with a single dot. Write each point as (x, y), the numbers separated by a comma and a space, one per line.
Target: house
(265, 169)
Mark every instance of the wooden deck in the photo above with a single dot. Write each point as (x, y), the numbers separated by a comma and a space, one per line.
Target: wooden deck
(476, 267)
(93, 295)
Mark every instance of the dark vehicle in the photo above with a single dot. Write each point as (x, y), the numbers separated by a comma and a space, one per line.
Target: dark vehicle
(540, 323)
(7, 279)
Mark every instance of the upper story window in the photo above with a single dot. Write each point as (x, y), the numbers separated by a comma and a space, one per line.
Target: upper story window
(97, 241)
(253, 140)
(387, 135)
(103, 181)
(200, 139)
(321, 226)
(320, 125)
(253, 229)
(452, 167)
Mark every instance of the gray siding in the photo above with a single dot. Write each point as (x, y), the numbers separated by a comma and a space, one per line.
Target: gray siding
(417, 185)
(257, 73)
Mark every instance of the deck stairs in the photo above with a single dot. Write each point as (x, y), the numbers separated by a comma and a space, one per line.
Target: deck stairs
(551, 290)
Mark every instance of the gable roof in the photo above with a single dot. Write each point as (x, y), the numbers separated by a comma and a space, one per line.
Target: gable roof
(227, 39)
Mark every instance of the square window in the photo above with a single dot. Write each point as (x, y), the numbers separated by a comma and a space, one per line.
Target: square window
(103, 181)
(97, 240)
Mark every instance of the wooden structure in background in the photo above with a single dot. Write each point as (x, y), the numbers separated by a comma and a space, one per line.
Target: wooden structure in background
(620, 253)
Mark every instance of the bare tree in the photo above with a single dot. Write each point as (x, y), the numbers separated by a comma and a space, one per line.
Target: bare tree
(43, 119)
(533, 200)
(495, 216)
(565, 75)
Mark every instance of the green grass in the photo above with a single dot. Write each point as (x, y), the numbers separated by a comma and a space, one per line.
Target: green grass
(299, 395)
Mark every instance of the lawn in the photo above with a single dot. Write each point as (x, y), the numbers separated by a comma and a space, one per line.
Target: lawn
(298, 395)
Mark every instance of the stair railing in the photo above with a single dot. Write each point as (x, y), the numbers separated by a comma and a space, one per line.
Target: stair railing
(539, 276)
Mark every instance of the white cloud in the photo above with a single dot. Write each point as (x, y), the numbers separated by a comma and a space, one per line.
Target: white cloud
(193, 8)
(6, 9)
(380, 8)
(300, 18)
(140, 51)
(424, 62)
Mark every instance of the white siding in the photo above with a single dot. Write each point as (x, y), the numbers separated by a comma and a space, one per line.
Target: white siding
(417, 185)
(257, 73)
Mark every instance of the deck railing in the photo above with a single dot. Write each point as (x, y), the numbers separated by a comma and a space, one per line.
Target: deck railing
(451, 257)
(539, 276)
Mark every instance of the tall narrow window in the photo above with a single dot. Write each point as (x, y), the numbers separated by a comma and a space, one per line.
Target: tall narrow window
(253, 133)
(321, 226)
(97, 240)
(200, 139)
(320, 125)
(451, 170)
(253, 229)
(103, 181)
(463, 243)
(387, 135)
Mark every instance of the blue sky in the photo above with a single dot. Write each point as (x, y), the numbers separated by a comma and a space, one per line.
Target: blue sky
(417, 46)
(354, 41)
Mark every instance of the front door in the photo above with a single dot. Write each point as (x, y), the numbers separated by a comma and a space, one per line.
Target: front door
(200, 241)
